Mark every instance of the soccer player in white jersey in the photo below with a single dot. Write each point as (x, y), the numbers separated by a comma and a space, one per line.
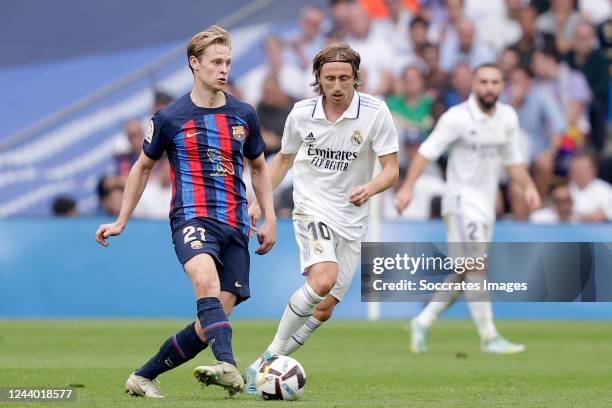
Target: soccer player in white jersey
(481, 136)
(332, 142)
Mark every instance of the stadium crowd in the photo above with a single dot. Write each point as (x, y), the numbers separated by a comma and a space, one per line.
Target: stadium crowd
(418, 56)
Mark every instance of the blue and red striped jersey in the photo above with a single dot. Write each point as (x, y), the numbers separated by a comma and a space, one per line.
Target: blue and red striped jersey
(206, 148)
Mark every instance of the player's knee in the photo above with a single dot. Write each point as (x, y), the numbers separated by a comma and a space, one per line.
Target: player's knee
(324, 312)
(322, 284)
(206, 286)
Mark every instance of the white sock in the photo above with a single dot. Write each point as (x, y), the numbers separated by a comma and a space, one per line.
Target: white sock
(300, 307)
(481, 309)
(439, 303)
(302, 334)
(430, 313)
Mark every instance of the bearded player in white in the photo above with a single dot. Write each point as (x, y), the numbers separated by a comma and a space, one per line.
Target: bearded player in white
(481, 136)
(332, 142)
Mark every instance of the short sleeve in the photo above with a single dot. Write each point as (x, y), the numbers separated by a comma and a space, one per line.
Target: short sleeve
(254, 144)
(291, 140)
(385, 139)
(579, 88)
(440, 138)
(156, 137)
(511, 151)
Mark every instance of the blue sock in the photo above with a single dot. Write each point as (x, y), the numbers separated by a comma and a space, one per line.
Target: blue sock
(181, 347)
(216, 328)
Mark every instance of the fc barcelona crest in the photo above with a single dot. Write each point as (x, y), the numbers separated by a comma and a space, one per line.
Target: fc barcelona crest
(238, 132)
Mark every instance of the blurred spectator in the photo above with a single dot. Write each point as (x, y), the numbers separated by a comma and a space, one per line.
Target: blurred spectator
(436, 80)
(595, 66)
(604, 35)
(592, 197)
(531, 39)
(561, 211)
(465, 50)
(395, 26)
(374, 50)
(595, 11)
(480, 10)
(428, 186)
(232, 89)
(508, 60)
(155, 200)
(340, 11)
(161, 99)
(135, 136)
(292, 79)
(460, 86)
(605, 169)
(110, 194)
(418, 36)
(443, 30)
(273, 111)
(560, 21)
(501, 30)
(64, 206)
(568, 87)
(411, 109)
(306, 43)
(542, 124)
(540, 6)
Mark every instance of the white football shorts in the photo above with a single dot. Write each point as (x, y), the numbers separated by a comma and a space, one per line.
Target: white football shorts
(319, 243)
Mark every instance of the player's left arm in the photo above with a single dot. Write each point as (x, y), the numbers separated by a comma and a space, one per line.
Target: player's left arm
(253, 151)
(520, 176)
(388, 176)
(512, 159)
(385, 144)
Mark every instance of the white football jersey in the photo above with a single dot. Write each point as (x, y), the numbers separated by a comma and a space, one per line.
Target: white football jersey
(332, 158)
(478, 146)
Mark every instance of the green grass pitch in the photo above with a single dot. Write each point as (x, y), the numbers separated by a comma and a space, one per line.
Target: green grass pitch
(348, 364)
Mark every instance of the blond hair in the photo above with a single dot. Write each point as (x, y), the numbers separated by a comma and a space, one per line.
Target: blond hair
(204, 39)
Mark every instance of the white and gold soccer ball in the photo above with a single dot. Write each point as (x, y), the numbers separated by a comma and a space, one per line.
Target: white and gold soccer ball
(280, 378)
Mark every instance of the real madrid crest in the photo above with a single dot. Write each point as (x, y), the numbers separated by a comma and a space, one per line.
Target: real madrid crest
(356, 138)
(238, 132)
(318, 248)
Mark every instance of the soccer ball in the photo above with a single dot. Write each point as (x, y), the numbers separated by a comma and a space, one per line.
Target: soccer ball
(280, 378)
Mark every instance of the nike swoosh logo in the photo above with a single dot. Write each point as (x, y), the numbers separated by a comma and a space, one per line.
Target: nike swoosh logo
(237, 284)
(192, 134)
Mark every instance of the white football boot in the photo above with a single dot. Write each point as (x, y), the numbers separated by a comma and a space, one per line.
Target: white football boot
(418, 337)
(250, 374)
(499, 345)
(222, 374)
(138, 386)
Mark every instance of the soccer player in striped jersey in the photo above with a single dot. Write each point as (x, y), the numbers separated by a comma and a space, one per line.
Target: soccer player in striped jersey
(206, 134)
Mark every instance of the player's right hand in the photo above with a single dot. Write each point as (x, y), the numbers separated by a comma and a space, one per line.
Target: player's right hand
(108, 230)
(266, 235)
(403, 199)
(254, 213)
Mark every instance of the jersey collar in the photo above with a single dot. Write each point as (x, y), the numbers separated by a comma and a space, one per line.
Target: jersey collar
(352, 112)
